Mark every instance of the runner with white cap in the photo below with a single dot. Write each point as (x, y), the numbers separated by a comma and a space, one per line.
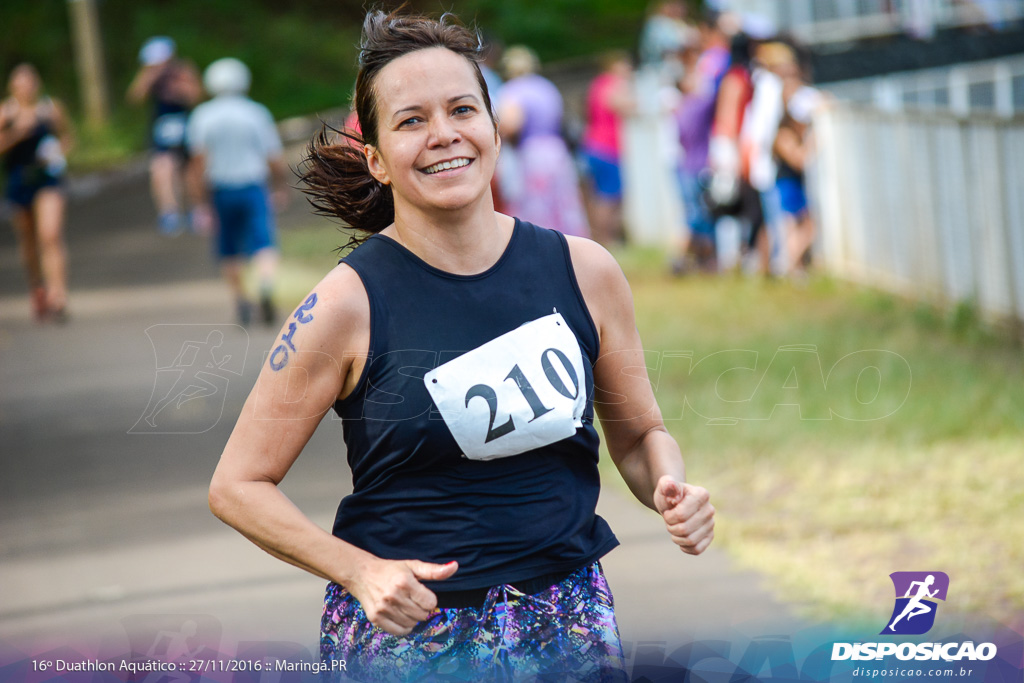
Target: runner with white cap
(235, 152)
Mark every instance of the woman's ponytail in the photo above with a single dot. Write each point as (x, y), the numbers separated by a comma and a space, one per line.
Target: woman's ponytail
(338, 184)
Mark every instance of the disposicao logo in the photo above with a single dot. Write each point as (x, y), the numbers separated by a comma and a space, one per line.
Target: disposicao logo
(917, 594)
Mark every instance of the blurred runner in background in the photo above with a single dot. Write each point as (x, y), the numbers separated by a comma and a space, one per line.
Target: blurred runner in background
(172, 86)
(35, 135)
(235, 150)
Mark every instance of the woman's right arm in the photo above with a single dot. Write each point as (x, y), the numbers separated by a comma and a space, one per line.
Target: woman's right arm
(294, 390)
(138, 89)
(10, 134)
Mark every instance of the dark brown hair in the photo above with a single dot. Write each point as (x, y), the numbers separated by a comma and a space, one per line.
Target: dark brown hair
(335, 174)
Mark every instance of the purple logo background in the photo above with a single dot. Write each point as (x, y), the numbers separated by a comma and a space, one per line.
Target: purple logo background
(916, 605)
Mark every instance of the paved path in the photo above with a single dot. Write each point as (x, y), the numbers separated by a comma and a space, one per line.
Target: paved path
(104, 529)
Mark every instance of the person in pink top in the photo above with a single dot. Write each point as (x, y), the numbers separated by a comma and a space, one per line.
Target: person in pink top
(609, 99)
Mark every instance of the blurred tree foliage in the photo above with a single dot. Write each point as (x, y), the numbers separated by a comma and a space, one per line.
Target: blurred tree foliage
(302, 52)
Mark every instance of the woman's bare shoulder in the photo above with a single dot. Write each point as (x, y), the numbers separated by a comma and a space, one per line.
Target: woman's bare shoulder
(340, 306)
(601, 282)
(587, 253)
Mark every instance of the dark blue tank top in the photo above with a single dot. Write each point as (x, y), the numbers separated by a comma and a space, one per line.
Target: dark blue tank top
(415, 495)
(23, 153)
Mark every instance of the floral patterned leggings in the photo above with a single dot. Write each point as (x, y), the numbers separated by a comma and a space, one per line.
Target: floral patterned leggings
(566, 633)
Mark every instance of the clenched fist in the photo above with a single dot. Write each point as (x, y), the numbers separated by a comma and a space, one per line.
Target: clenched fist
(688, 513)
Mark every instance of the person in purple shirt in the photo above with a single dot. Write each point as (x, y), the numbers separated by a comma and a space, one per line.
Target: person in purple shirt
(530, 113)
(705, 63)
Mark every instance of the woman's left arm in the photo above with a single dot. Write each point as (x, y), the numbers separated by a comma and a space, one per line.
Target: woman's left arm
(646, 455)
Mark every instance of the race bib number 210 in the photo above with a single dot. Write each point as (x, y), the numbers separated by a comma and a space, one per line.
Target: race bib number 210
(520, 391)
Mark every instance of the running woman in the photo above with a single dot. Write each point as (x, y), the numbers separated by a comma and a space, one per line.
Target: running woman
(35, 136)
(466, 352)
(172, 87)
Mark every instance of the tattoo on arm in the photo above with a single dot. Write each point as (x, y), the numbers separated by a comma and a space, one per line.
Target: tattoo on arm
(303, 315)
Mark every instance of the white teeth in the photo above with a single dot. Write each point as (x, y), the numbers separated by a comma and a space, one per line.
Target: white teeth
(446, 166)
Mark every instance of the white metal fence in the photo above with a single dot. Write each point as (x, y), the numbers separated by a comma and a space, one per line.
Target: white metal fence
(994, 86)
(829, 21)
(930, 205)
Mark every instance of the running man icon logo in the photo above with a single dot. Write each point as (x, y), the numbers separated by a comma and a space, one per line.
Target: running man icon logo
(916, 596)
(194, 368)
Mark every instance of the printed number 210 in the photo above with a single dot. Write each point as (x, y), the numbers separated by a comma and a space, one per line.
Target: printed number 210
(487, 393)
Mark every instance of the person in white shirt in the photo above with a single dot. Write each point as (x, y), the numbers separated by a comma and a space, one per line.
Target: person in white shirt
(235, 152)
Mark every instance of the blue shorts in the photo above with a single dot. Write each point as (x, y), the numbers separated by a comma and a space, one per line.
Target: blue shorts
(605, 176)
(697, 215)
(24, 183)
(792, 195)
(246, 221)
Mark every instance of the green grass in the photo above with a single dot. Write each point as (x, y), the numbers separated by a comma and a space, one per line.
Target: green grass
(928, 476)
(308, 252)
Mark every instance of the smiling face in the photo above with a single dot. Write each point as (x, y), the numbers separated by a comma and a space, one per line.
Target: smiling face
(437, 145)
